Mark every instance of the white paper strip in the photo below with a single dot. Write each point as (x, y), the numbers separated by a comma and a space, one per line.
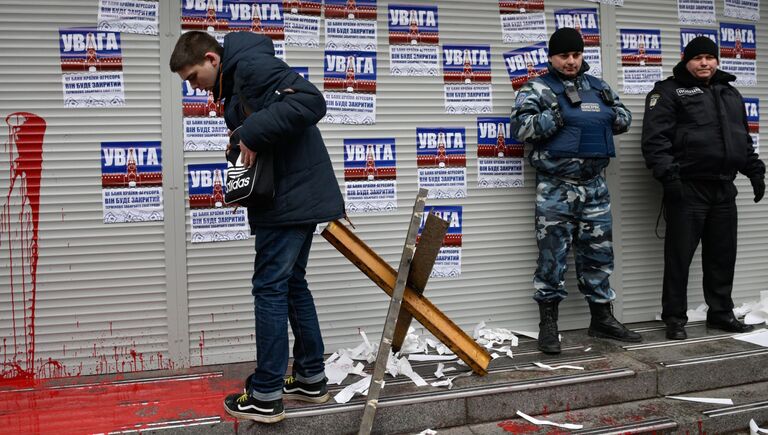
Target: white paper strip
(427, 432)
(703, 400)
(349, 391)
(419, 357)
(563, 366)
(759, 338)
(754, 429)
(549, 423)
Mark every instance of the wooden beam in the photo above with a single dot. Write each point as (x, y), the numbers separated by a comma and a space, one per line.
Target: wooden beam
(420, 307)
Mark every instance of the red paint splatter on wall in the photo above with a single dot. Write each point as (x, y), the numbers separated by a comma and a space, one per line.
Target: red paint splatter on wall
(19, 223)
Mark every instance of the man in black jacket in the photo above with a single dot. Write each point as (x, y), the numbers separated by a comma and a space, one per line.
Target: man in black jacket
(695, 139)
(276, 111)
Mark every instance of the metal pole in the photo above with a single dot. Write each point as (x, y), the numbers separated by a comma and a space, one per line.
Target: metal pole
(409, 247)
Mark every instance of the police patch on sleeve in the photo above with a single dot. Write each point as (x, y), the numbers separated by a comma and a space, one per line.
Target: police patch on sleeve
(653, 100)
(521, 96)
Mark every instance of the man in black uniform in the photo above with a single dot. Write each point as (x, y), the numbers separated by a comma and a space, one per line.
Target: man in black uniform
(695, 139)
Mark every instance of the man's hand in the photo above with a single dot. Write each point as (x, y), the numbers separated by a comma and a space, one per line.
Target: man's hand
(758, 187)
(248, 156)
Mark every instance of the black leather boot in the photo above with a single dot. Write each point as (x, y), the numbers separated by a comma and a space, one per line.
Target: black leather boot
(604, 325)
(549, 339)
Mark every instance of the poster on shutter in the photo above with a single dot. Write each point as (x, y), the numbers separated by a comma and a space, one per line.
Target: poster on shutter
(302, 71)
(522, 21)
(350, 25)
(686, 35)
(526, 63)
(609, 2)
(499, 156)
(131, 182)
(264, 18)
(413, 41)
(302, 22)
(206, 15)
(448, 261)
(467, 79)
(350, 87)
(204, 126)
(738, 52)
(128, 16)
(92, 68)
(587, 22)
(370, 175)
(213, 220)
(441, 158)
(696, 11)
(752, 106)
(640, 59)
(744, 9)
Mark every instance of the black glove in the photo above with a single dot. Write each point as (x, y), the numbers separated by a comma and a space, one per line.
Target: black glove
(758, 187)
(673, 190)
(557, 115)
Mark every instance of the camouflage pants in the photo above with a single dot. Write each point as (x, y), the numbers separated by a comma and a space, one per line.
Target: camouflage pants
(579, 215)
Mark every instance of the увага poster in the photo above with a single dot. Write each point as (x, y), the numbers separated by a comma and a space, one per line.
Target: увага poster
(448, 261)
(752, 107)
(350, 25)
(441, 158)
(640, 59)
(370, 175)
(586, 21)
(92, 68)
(686, 35)
(204, 126)
(350, 87)
(263, 17)
(526, 63)
(738, 52)
(413, 41)
(212, 219)
(523, 21)
(499, 157)
(467, 79)
(302, 22)
(131, 182)
(128, 16)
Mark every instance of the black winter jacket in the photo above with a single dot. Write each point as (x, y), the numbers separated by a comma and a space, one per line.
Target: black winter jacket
(283, 109)
(692, 130)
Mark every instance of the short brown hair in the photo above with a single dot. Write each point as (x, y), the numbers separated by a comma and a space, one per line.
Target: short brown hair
(190, 49)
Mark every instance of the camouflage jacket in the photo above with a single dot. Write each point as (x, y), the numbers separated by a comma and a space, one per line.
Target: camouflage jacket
(532, 121)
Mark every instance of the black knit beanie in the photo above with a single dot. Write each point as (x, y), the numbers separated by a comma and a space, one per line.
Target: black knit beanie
(565, 40)
(699, 45)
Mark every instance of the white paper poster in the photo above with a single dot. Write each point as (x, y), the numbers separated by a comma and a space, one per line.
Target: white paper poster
(413, 40)
(212, 220)
(696, 11)
(370, 175)
(350, 87)
(441, 159)
(752, 107)
(448, 261)
(467, 79)
(587, 22)
(204, 126)
(744, 9)
(92, 68)
(640, 59)
(609, 2)
(523, 21)
(499, 157)
(350, 35)
(302, 23)
(128, 16)
(738, 52)
(131, 182)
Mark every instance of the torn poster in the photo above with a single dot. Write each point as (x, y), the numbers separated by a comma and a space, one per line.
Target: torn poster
(441, 158)
(467, 79)
(131, 182)
(92, 68)
(302, 22)
(640, 59)
(204, 126)
(359, 387)
(522, 21)
(413, 40)
(696, 11)
(370, 175)
(350, 25)
(744, 9)
(499, 157)
(448, 262)
(128, 16)
(350, 87)
(752, 106)
(213, 220)
(738, 52)
(526, 63)
(587, 22)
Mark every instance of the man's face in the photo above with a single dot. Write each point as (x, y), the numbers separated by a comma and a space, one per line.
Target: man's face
(702, 67)
(203, 75)
(568, 64)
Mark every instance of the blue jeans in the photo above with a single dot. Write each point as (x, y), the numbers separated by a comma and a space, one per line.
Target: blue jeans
(281, 294)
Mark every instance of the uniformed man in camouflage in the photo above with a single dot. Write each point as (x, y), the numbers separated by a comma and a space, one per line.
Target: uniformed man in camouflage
(570, 118)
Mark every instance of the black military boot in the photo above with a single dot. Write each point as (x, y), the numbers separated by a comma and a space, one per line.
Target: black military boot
(604, 325)
(549, 340)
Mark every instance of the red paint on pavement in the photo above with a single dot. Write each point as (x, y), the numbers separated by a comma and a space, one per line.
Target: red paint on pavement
(518, 426)
(114, 405)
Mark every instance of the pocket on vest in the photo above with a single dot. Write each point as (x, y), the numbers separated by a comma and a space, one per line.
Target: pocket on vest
(596, 141)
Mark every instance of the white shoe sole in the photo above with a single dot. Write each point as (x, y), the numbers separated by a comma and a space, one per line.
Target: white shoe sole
(320, 399)
(256, 417)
